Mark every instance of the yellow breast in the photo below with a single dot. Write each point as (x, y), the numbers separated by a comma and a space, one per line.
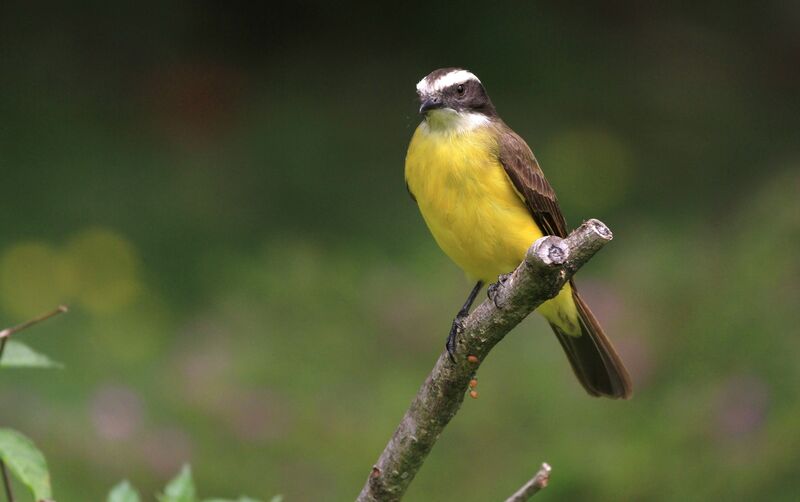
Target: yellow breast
(468, 201)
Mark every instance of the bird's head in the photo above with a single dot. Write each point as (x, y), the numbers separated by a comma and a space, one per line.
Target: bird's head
(454, 98)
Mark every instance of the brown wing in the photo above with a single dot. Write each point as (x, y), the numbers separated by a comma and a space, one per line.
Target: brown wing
(526, 175)
(593, 358)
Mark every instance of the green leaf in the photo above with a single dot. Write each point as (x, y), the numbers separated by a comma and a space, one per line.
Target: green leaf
(181, 488)
(26, 462)
(19, 355)
(241, 499)
(123, 492)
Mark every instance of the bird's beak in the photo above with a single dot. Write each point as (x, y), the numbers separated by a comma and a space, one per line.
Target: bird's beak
(430, 102)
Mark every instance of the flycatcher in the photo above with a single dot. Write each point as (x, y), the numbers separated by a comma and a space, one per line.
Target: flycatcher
(485, 200)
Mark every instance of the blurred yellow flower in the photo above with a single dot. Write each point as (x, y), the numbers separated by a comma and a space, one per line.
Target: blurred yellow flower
(30, 279)
(102, 267)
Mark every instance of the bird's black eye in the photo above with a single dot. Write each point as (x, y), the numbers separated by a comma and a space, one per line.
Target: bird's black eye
(460, 89)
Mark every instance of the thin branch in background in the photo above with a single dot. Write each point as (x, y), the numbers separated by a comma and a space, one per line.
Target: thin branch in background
(5, 335)
(7, 482)
(533, 486)
(548, 265)
(36, 320)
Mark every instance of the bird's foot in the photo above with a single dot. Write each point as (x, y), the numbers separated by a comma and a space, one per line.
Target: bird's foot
(455, 330)
(491, 291)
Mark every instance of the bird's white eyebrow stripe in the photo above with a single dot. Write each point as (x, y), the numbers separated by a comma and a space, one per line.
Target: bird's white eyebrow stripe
(445, 81)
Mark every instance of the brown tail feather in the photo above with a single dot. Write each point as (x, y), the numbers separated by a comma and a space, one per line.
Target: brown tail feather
(593, 358)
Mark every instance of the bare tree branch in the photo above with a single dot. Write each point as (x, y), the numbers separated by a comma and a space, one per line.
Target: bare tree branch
(532, 487)
(548, 265)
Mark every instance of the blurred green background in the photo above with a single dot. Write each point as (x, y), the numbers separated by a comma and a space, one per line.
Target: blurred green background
(217, 191)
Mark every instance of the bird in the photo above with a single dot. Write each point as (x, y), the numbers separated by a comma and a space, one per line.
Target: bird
(485, 200)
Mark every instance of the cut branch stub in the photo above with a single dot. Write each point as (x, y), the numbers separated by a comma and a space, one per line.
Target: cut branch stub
(532, 487)
(551, 250)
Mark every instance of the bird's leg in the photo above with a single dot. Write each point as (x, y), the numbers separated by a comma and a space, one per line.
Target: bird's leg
(458, 322)
(491, 291)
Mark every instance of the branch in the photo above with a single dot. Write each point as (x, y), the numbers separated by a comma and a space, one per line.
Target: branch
(533, 486)
(549, 264)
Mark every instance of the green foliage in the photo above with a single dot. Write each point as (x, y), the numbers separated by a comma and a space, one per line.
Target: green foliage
(123, 492)
(181, 488)
(26, 462)
(276, 498)
(18, 452)
(19, 355)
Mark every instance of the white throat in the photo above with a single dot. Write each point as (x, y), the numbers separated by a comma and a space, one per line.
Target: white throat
(449, 121)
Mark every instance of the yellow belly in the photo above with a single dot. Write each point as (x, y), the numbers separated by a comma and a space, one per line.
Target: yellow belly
(468, 201)
(472, 209)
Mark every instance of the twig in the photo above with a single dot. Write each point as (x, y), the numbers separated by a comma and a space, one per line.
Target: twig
(548, 265)
(533, 486)
(36, 320)
(7, 482)
(6, 333)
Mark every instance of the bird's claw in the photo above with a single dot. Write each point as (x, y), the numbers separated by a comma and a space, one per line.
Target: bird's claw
(491, 291)
(455, 329)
